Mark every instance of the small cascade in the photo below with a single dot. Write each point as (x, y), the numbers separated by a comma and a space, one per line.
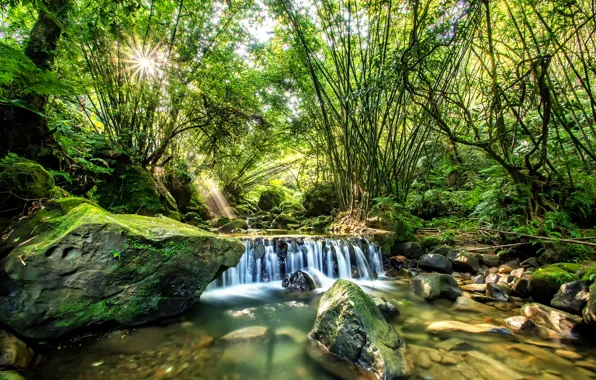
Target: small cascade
(270, 259)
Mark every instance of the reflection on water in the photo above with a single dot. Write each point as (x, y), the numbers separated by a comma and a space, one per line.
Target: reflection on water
(193, 348)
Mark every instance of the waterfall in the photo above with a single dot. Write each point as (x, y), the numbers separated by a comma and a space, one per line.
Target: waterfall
(270, 259)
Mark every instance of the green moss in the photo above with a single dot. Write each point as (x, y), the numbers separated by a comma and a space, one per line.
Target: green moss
(25, 179)
(65, 205)
(590, 274)
(557, 274)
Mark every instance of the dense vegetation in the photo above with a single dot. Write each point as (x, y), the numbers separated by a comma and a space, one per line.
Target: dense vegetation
(408, 110)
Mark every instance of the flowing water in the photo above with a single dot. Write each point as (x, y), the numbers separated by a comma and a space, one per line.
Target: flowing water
(251, 296)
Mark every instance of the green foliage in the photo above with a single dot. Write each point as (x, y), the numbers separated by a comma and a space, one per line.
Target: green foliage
(320, 200)
(270, 198)
(390, 215)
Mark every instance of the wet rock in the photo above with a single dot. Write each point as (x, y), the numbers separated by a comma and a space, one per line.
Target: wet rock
(284, 222)
(299, 281)
(237, 224)
(530, 263)
(468, 304)
(466, 262)
(398, 262)
(386, 308)
(519, 323)
(454, 344)
(505, 269)
(492, 278)
(295, 335)
(435, 263)
(521, 288)
(351, 337)
(519, 272)
(559, 322)
(434, 285)
(13, 352)
(546, 281)
(478, 279)
(480, 288)
(451, 326)
(500, 292)
(447, 251)
(259, 250)
(247, 333)
(589, 312)
(568, 354)
(490, 260)
(572, 297)
(411, 250)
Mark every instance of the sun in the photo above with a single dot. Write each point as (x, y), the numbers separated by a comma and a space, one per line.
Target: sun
(145, 63)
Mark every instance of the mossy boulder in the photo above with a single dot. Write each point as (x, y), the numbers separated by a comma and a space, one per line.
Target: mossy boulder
(93, 268)
(284, 222)
(434, 285)
(589, 312)
(546, 281)
(589, 274)
(236, 224)
(392, 216)
(320, 200)
(351, 338)
(270, 199)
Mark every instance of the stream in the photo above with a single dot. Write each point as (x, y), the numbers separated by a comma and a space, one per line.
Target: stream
(278, 321)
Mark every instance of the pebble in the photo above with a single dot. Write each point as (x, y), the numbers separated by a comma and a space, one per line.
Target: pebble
(449, 359)
(435, 356)
(586, 364)
(568, 354)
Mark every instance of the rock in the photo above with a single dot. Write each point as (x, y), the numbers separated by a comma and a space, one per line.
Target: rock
(530, 263)
(451, 326)
(259, 250)
(320, 200)
(466, 262)
(234, 225)
(89, 268)
(283, 221)
(13, 352)
(480, 288)
(589, 312)
(468, 304)
(546, 281)
(500, 291)
(490, 260)
(447, 251)
(434, 285)
(270, 198)
(521, 288)
(559, 322)
(505, 269)
(454, 344)
(350, 326)
(386, 308)
(519, 323)
(478, 279)
(295, 335)
(568, 354)
(299, 281)
(572, 297)
(492, 270)
(519, 272)
(492, 278)
(10, 375)
(247, 333)
(435, 263)
(411, 250)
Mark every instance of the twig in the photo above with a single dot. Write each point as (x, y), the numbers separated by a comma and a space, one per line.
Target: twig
(571, 241)
(496, 246)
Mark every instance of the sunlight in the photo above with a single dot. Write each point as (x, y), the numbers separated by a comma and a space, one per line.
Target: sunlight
(145, 63)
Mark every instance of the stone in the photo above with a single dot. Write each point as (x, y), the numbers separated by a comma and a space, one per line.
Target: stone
(479, 288)
(478, 279)
(521, 288)
(490, 260)
(492, 278)
(89, 268)
(572, 297)
(435, 263)
(10, 375)
(530, 263)
(559, 322)
(411, 250)
(454, 344)
(350, 328)
(500, 291)
(492, 270)
(14, 352)
(519, 272)
(299, 281)
(283, 222)
(386, 308)
(546, 281)
(247, 333)
(589, 312)
(295, 335)
(233, 225)
(452, 326)
(434, 285)
(468, 304)
(466, 262)
(447, 251)
(504, 269)
(519, 323)
(571, 355)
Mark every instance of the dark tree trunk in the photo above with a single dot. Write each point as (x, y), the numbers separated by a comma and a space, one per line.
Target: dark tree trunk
(25, 132)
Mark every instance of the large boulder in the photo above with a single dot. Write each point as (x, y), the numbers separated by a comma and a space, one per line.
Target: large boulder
(466, 262)
(559, 322)
(299, 281)
(434, 285)
(546, 281)
(320, 200)
(435, 263)
(411, 250)
(14, 353)
(270, 198)
(284, 222)
(589, 312)
(572, 297)
(231, 226)
(90, 267)
(349, 328)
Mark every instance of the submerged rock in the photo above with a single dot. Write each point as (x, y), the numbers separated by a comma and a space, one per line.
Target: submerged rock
(299, 281)
(468, 304)
(386, 308)
(559, 322)
(14, 353)
(499, 291)
(571, 297)
(519, 323)
(247, 333)
(435, 263)
(351, 339)
(450, 326)
(434, 285)
(90, 267)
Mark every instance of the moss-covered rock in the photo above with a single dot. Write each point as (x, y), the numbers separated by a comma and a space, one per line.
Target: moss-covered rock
(589, 274)
(320, 200)
(271, 198)
(434, 285)
(546, 281)
(91, 267)
(284, 222)
(392, 216)
(589, 312)
(236, 224)
(351, 328)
